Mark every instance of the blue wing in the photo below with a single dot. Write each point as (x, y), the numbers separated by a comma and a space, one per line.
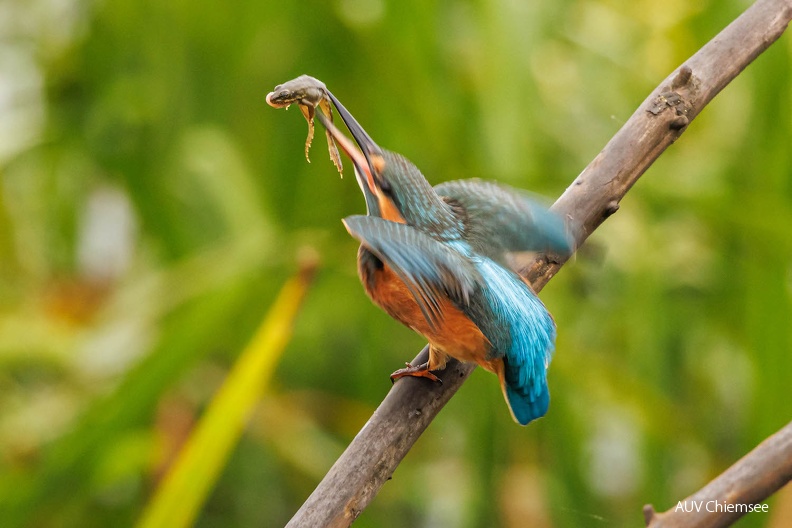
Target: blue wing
(428, 268)
(502, 219)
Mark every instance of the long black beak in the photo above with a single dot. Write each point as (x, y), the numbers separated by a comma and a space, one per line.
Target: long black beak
(359, 158)
(372, 163)
(360, 136)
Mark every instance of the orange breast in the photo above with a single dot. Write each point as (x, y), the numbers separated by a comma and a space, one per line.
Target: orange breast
(455, 334)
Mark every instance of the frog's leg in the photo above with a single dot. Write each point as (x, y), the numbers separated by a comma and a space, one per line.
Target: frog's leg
(308, 111)
(324, 106)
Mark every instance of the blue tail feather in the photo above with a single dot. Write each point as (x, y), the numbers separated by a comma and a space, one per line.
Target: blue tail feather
(522, 333)
(524, 407)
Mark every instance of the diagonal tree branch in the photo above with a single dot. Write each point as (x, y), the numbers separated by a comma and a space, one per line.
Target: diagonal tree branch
(412, 403)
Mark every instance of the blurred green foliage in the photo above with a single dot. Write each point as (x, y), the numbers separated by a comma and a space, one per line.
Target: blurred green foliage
(151, 205)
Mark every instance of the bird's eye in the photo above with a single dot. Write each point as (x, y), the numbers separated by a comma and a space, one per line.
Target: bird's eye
(386, 187)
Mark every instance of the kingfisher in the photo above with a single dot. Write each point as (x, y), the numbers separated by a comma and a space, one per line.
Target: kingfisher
(436, 260)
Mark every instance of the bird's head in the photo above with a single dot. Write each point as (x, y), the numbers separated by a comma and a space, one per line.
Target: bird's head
(393, 186)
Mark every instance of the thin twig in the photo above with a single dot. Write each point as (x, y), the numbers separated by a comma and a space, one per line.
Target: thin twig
(412, 403)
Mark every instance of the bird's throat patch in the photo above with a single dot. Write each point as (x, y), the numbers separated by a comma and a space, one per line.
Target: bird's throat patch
(388, 209)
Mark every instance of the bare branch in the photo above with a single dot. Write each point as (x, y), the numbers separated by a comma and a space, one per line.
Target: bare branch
(749, 481)
(412, 403)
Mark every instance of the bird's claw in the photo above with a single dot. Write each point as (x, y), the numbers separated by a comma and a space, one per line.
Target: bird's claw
(418, 371)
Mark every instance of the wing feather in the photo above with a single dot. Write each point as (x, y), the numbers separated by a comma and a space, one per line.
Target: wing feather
(502, 219)
(429, 268)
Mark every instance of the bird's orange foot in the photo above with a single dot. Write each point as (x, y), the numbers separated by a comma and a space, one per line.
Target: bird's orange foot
(418, 371)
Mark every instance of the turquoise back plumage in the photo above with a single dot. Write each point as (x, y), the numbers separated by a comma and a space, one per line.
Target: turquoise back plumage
(518, 326)
(522, 333)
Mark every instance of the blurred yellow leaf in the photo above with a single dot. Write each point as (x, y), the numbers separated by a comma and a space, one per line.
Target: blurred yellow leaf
(185, 487)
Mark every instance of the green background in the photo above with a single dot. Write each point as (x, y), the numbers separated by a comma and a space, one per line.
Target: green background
(151, 205)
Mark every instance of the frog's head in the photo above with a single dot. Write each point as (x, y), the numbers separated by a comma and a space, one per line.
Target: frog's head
(304, 90)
